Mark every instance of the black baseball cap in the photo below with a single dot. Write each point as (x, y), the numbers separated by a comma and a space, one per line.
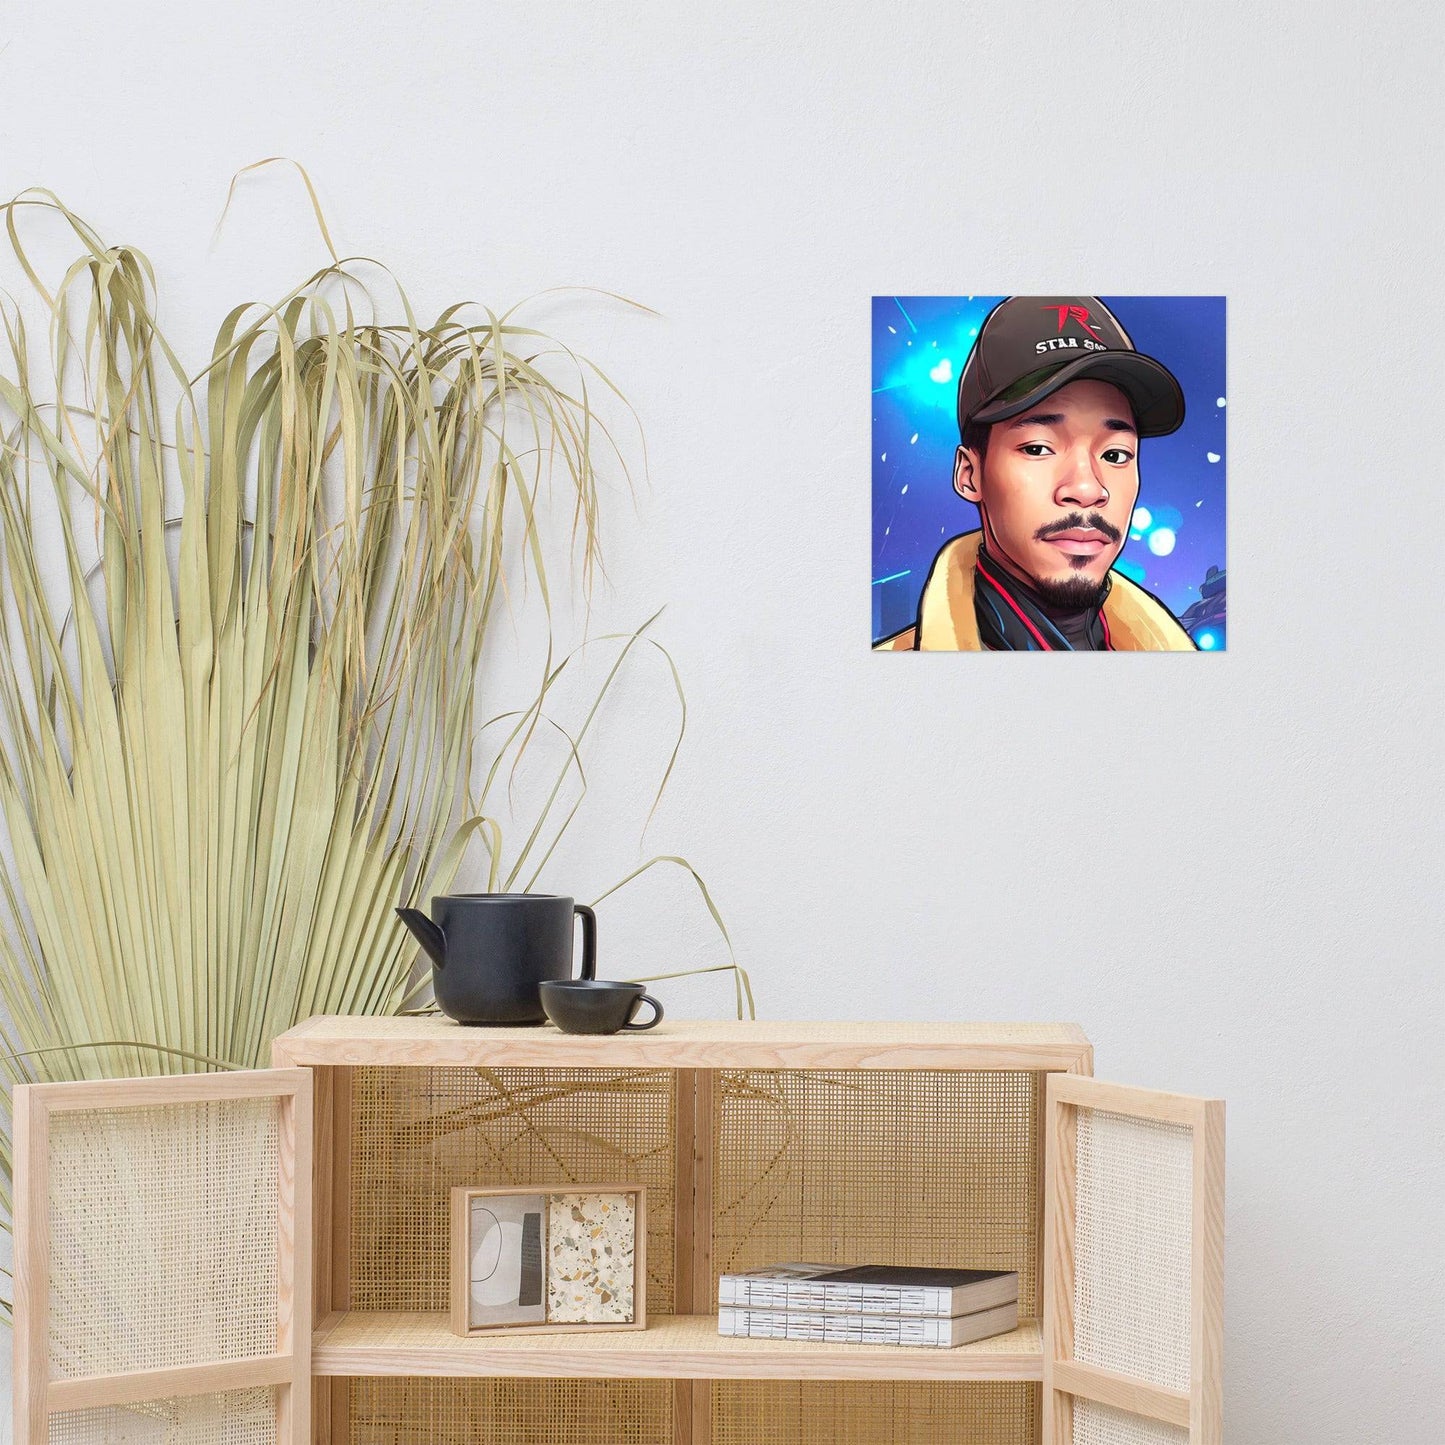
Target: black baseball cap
(1030, 346)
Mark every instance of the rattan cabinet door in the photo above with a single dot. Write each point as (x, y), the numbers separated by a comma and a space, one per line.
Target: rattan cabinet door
(162, 1232)
(1133, 1266)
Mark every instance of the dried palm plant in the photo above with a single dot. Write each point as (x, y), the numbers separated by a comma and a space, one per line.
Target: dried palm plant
(239, 725)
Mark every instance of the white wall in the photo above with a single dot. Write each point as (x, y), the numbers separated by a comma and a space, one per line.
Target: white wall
(1227, 869)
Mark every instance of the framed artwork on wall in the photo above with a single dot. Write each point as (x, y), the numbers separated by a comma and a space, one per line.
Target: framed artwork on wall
(1048, 474)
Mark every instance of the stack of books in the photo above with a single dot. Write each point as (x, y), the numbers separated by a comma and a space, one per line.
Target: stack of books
(868, 1304)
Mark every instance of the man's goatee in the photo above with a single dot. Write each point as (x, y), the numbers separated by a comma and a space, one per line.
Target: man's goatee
(1074, 594)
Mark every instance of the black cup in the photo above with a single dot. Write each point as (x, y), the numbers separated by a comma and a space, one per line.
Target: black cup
(596, 1006)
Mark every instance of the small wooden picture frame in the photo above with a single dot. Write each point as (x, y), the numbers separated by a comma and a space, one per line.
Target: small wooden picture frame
(533, 1259)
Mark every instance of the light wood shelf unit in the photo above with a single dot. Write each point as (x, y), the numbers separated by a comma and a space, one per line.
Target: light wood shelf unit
(924, 1143)
(708, 1062)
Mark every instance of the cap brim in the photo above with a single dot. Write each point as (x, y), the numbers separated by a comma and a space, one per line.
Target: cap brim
(1155, 395)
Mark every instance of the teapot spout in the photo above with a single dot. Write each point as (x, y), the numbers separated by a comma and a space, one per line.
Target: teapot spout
(431, 938)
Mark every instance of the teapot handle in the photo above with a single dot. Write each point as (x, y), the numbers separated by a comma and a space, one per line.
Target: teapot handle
(589, 941)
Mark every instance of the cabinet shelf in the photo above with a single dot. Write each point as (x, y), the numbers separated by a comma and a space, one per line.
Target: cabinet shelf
(672, 1347)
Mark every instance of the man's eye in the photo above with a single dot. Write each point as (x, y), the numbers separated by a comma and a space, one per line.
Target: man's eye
(1036, 449)
(1117, 456)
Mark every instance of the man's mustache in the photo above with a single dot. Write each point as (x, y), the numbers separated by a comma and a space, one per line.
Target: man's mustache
(1076, 520)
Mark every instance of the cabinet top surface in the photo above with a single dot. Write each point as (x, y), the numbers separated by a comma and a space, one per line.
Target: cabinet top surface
(687, 1043)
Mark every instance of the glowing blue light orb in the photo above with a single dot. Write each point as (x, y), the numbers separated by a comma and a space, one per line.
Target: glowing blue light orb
(1207, 641)
(1161, 541)
(1142, 517)
(943, 372)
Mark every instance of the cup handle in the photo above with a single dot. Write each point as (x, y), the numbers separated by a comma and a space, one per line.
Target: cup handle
(589, 941)
(653, 1022)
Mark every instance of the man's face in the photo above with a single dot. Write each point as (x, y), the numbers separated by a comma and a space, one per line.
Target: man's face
(1056, 489)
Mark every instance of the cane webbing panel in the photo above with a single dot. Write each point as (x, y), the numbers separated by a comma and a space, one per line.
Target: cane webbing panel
(746, 1412)
(236, 1417)
(1096, 1424)
(396, 1410)
(163, 1239)
(921, 1167)
(1133, 1246)
(417, 1132)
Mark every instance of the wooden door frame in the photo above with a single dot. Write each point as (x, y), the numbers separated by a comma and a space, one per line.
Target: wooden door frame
(287, 1368)
(1199, 1410)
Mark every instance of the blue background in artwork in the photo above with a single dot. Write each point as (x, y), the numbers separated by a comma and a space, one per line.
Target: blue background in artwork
(915, 432)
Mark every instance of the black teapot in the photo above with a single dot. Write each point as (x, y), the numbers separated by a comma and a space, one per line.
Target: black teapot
(490, 952)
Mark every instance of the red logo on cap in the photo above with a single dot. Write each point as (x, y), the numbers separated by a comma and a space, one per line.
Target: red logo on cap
(1079, 313)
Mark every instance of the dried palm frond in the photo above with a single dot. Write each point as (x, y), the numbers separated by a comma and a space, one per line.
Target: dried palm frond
(241, 617)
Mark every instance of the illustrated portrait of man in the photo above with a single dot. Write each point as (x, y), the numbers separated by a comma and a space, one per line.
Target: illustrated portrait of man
(1053, 402)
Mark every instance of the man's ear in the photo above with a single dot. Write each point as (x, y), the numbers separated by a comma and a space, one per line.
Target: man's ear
(967, 474)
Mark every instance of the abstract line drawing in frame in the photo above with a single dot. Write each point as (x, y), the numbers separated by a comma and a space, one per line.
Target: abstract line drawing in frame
(526, 1259)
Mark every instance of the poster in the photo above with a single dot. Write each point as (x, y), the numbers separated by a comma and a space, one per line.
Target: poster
(1049, 474)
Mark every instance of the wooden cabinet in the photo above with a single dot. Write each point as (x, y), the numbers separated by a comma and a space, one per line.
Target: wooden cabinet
(918, 1143)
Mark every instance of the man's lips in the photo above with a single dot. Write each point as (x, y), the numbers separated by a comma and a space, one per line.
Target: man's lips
(1079, 541)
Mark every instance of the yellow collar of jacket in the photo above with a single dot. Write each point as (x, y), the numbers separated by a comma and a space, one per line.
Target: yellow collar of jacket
(948, 623)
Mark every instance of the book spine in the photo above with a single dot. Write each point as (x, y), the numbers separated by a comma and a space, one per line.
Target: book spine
(834, 1328)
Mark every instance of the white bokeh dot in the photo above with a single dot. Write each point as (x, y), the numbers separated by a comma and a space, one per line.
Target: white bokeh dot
(1142, 517)
(1161, 541)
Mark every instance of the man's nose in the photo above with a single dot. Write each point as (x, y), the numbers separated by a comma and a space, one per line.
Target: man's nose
(1082, 484)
